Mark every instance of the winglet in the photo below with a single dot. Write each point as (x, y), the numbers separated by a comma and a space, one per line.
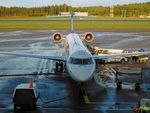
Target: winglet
(31, 83)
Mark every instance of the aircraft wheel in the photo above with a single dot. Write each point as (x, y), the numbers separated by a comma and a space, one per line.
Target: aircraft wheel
(123, 61)
(15, 109)
(118, 85)
(57, 64)
(143, 111)
(137, 86)
(61, 67)
(34, 106)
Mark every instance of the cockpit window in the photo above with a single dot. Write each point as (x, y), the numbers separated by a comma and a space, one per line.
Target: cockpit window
(77, 61)
(86, 61)
(81, 61)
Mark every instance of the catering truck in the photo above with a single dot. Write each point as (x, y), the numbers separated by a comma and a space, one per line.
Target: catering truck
(121, 59)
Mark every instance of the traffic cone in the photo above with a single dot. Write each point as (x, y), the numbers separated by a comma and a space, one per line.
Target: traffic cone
(31, 83)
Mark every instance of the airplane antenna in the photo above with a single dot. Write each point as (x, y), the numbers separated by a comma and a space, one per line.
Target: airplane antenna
(72, 22)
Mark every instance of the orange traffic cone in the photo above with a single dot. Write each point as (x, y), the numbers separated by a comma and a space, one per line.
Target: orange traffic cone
(31, 83)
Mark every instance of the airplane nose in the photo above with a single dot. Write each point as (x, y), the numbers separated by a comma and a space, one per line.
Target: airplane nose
(81, 73)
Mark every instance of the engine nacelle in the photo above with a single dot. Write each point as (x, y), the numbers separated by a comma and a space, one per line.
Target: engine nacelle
(57, 37)
(88, 37)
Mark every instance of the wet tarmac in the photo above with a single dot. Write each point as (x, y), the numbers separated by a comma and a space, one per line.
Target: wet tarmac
(64, 95)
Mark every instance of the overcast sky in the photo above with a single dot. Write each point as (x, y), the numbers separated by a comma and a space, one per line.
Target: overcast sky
(74, 3)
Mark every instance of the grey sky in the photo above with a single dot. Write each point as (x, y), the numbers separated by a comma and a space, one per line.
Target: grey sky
(74, 3)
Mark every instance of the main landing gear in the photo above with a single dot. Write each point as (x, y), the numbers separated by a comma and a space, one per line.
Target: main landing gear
(59, 69)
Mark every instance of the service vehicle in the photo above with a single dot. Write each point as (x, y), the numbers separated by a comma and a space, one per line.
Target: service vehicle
(116, 59)
(144, 105)
(25, 96)
(109, 51)
(143, 58)
(121, 59)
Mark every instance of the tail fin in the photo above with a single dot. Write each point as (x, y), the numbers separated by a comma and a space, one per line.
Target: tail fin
(72, 15)
(72, 22)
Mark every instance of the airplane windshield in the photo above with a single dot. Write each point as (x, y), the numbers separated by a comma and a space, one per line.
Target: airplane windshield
(80, 61)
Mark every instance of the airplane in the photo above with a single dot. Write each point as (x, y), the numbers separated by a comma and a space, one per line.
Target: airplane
(80, 63)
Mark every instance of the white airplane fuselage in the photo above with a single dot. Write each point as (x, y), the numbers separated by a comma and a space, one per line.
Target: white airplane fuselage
(80, 63)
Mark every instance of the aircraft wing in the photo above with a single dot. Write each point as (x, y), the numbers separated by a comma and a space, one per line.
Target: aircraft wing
(57, 58)
(103, 56)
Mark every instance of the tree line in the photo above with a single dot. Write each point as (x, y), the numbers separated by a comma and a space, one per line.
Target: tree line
(130, 10)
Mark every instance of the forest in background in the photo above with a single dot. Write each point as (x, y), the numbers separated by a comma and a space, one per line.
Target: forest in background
(129, 10)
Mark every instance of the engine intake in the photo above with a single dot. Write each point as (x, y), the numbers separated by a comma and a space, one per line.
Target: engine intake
(57, 37)
(88, 37)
